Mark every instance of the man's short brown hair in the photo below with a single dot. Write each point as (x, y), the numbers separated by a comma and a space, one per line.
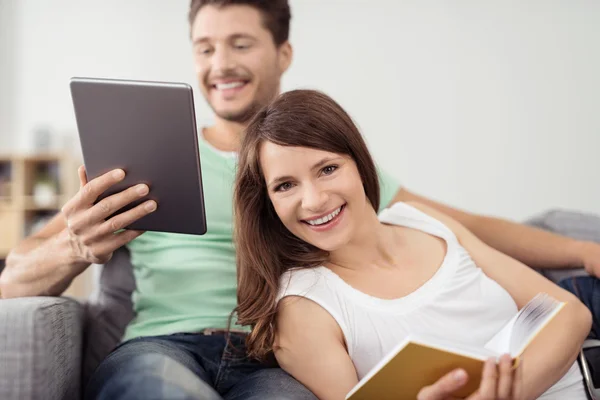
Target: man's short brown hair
(276, 14)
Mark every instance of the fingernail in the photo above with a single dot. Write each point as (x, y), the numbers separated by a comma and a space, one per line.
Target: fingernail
(119, 174)
(151, 206)
(460, 376)
(142, 190)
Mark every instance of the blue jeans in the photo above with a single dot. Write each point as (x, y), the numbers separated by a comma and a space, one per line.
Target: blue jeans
(587, 289)
(190, 367)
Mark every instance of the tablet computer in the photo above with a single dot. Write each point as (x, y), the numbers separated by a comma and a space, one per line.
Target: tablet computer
(148, 129)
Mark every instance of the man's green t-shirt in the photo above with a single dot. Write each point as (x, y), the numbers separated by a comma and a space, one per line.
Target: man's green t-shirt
(186, 283)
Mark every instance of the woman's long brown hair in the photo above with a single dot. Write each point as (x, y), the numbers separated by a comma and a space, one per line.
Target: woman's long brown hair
(265, 248)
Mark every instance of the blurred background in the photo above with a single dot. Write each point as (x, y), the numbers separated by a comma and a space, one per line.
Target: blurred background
(491, 106)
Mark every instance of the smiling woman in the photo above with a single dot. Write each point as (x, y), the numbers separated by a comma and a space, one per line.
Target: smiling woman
(303, 125)
(329, 286)
(301, 128)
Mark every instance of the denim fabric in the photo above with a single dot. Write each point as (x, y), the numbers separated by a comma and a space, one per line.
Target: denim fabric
(190, 367)
(587, 289)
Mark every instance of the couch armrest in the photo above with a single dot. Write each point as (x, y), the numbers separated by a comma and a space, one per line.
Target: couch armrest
(573, 224)
(40, 348)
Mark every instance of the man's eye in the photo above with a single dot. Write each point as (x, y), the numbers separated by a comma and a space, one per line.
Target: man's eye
(283, 187)
(241, 46)
(330, 169)
(204, 50)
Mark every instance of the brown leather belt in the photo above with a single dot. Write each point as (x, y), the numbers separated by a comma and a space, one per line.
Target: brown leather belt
(214, 331)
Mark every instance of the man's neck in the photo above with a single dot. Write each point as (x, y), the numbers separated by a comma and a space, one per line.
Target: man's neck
(224, 135)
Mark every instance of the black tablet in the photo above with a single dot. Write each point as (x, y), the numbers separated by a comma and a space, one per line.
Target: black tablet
(149, 130)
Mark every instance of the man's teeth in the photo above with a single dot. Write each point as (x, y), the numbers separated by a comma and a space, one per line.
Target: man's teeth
(229, 85)
(327, 218)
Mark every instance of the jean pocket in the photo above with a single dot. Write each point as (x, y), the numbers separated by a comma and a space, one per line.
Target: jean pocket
(235, 349)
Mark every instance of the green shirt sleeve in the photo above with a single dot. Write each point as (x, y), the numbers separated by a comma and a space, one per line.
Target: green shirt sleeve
(388, 187)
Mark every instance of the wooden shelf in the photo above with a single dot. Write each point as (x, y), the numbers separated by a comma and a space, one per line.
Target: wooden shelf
(6, 205)
(29, 204)
(19, 211)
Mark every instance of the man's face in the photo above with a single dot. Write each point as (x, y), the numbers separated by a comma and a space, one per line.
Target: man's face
(237, 62)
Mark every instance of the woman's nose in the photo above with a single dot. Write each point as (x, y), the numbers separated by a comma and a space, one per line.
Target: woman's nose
(314, 199)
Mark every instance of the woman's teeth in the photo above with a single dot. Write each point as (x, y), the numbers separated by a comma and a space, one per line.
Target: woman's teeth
(325, 219)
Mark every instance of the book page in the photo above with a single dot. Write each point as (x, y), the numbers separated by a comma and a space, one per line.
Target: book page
(516, 335)
(500, 343)
(532, 319)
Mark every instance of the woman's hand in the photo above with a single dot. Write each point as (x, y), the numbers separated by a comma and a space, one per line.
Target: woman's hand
(498, 381)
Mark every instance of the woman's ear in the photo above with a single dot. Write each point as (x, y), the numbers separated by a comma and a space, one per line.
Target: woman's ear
(286, 54)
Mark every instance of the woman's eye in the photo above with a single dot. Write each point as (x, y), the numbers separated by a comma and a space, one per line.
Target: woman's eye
(283, 187)
(329, 169)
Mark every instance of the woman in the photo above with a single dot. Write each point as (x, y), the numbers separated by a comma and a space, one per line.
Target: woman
(330, 287)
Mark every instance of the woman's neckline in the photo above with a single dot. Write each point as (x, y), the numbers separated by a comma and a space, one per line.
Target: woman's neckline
(418, 296)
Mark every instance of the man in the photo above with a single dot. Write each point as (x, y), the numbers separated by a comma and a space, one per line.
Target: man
(175, 347)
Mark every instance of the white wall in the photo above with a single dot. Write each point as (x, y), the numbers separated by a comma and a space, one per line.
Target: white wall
(490, 106)
(7, 72)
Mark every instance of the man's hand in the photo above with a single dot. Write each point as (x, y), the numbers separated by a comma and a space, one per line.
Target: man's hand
(590, 257)
(92, 237)
(498, 381)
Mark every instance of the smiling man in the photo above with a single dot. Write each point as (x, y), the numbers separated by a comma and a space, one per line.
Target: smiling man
(176, 346)
(240, 53)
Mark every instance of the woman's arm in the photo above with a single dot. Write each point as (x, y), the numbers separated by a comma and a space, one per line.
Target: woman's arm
(310, 346)
(555, 349)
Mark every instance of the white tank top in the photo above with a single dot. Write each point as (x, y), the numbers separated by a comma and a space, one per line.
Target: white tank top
(459, 303)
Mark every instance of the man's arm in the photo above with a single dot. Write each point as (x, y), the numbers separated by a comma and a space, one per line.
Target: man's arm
(534, 247)
(40, 265)
(46, 263)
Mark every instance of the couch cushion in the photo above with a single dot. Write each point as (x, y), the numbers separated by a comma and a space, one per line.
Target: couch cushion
(40, 348)
(108, 311)
(574, 224)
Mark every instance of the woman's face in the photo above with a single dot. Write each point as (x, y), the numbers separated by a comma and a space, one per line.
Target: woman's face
(318, 195)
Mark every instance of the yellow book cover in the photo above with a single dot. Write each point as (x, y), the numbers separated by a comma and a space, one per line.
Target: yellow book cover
(419, 360)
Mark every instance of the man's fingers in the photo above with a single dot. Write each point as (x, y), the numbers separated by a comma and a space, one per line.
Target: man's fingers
(505, 381)
(94, 188)
(73, 203)
(111, 204)
(82, 176)
(112, 242)
(444, 387)
(125, 219)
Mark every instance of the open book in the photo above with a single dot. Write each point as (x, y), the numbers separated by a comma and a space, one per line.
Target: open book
(419, 361)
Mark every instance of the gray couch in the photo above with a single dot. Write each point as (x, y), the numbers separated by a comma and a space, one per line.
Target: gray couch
(50, 346)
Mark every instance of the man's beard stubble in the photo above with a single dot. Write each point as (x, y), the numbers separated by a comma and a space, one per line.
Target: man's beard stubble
(261, 100)
(243, 116)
